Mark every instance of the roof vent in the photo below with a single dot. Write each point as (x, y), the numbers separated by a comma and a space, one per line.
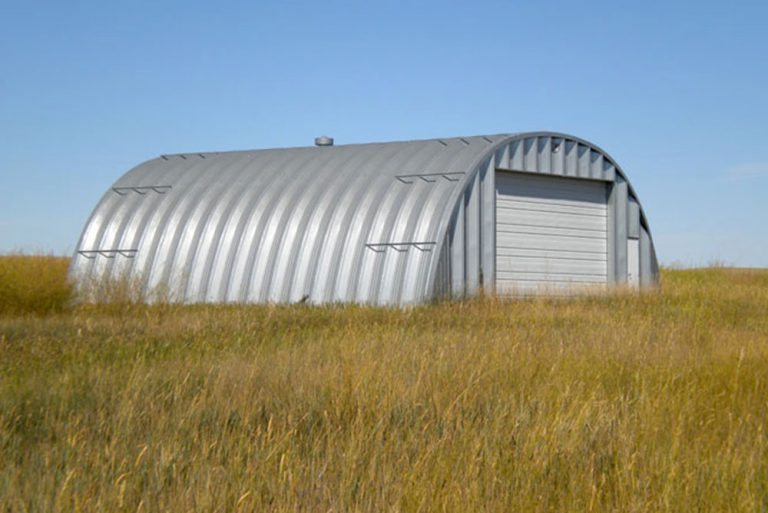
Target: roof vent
(323, 140)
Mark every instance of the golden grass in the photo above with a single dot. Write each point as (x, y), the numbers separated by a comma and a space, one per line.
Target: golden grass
(627, 402)
(33, 284)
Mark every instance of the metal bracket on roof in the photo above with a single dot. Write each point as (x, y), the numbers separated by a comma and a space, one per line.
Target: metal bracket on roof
(183, 156)
(429, 177)
(108, 253)
(143, 190)
(400, 247)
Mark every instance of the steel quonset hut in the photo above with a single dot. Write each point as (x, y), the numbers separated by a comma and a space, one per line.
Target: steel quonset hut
(385, 223)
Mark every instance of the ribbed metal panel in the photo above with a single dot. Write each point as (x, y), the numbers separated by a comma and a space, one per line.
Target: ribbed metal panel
(284, 225)
(385, 223)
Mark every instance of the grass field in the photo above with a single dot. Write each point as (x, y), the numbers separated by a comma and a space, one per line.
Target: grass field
(629, 402)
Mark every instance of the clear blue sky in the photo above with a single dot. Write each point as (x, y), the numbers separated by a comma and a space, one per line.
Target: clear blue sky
(676, 92)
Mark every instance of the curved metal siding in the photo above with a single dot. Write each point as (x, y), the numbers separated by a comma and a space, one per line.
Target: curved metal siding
(287, 225)
(282, 225)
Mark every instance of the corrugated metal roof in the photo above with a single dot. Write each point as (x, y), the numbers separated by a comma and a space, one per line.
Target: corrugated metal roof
(350, 223)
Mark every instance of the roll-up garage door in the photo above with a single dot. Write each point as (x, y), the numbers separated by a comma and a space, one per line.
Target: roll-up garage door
(551, 234)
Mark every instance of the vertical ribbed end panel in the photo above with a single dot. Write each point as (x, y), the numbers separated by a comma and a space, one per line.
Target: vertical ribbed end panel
(555, 155)
(584, 164)
(517, 153)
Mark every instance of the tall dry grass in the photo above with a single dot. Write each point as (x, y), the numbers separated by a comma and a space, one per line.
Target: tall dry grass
(33, 284)
(627, 402)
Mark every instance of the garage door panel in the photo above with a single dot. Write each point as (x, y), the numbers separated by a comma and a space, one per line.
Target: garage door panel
(588, 233)
(551, 233)
(506, 217)
(537, 253)
(549, 288)
(549, 277)
(562, 267)
(550, 242)
(551, 188)
(530, 206)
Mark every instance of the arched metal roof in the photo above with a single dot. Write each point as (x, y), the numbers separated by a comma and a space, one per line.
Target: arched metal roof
(352, 223)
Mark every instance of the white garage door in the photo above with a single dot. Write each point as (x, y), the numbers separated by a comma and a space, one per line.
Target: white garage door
(551, 234)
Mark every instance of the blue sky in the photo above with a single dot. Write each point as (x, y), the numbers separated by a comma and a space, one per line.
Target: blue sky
(676, 92)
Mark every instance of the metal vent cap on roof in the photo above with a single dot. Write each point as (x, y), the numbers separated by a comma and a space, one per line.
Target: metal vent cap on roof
(323, 140)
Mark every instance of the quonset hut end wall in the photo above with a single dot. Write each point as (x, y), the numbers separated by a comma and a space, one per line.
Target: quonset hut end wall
(467, 261)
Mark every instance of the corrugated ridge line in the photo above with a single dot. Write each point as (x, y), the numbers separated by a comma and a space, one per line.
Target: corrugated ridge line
(132, 227)
(596, 164)
(412, 286)
(456, 229)
(189, 221)
(389, 273)
(329, 177)
(571, 157)
(584, 155)
(474, 197)
(113, 232)
(279, 223)
(472, 225)
(340, 226)
(530, 149)
(219, 267)
(351, 249)
(517, 154)
(406, 221)
(109, 233)
(161, 227)
(95, 228)
(558, 158)
(162, 170)
(441, 273)
(488, 223)
(219, 245)
(173, 233)
(304, 277)
(258, 258)
(452, 216)
(468, 163)
(133, 232)
(503, 155)
(142, 267)
(544, 155)
(310, 235)
(201, 247)
(366, 265)
(454, 209)
(248, 234)
(412, 209)
(224, 268)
